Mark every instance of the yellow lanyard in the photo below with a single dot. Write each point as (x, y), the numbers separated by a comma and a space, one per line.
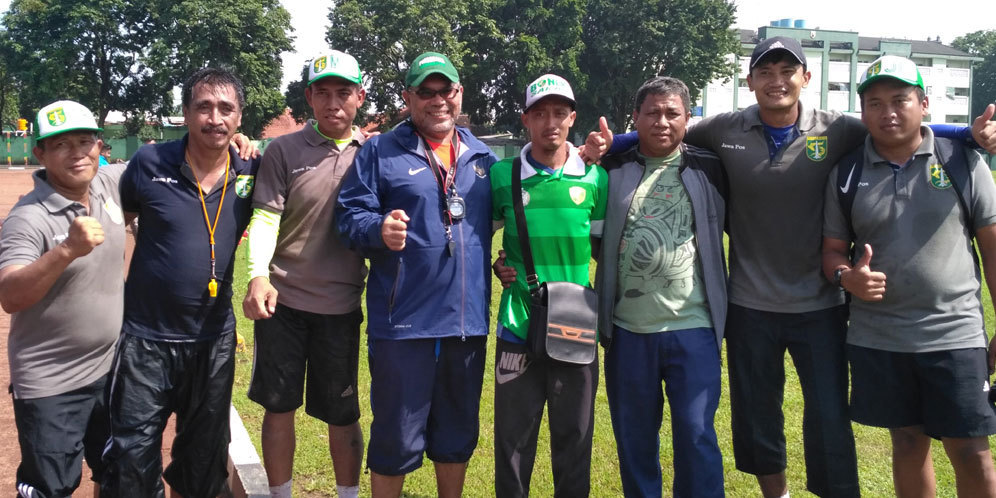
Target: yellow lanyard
(213, 284)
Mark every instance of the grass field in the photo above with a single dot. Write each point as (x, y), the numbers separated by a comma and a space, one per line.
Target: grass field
(313, 468)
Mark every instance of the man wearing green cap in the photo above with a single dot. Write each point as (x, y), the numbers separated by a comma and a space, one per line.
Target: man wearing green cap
(305, 286)
(417, 203)
(61, 252)
(916, 340)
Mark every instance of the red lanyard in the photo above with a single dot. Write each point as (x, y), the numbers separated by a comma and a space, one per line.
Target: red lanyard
(446, 180)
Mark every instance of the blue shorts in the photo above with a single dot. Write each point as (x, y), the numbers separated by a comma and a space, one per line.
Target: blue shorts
(425, 395)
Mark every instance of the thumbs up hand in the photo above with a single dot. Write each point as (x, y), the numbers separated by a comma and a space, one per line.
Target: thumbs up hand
(597, 143)
(984, 129)
(861, 281)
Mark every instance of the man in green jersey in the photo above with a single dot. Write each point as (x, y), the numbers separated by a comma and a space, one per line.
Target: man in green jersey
(564, 204)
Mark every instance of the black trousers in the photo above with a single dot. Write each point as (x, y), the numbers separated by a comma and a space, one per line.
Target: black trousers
(522, 388)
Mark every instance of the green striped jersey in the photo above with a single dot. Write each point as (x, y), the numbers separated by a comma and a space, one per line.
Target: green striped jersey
(563, 208)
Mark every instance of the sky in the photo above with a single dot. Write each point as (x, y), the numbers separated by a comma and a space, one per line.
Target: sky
(915, 19)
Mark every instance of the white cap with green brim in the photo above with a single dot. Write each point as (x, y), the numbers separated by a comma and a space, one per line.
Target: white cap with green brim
(548, 85)
(335, 63)
(891, 66)
(63, 116)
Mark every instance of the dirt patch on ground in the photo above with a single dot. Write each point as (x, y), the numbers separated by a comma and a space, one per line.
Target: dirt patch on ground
(13, 184)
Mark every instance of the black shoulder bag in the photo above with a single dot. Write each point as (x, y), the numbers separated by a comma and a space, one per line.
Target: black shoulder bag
(562, 315)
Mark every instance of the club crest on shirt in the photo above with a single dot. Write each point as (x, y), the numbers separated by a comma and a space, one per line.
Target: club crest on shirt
(525, 197)
(577, 194)
(244, 185)
(938, 178)
(816, 148)
(480, 171)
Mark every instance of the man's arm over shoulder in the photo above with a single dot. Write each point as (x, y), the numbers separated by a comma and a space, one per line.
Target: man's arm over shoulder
(704, 133)
(358, 212)
(270, 191)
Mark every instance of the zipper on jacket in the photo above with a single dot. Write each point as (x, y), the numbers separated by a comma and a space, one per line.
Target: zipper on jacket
(394, 291)
(463, 283)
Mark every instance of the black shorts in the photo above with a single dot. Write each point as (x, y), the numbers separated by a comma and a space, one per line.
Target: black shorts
(326, 346)
(149, 381)
(947, 392)
(56, 433)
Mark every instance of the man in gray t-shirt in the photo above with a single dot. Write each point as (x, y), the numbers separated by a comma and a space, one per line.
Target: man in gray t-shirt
(61, 256)
(916, 341)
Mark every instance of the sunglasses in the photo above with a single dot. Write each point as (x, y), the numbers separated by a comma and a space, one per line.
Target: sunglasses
(446, 93)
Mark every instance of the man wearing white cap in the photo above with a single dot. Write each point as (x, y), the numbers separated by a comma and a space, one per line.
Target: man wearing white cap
(61, 251)
(564, 204)
(916, 340)
(305, 286)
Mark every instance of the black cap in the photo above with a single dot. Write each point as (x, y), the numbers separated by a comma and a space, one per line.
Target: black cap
(790, 45)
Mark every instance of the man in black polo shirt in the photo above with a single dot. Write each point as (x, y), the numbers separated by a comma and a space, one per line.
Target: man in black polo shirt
(176, 352)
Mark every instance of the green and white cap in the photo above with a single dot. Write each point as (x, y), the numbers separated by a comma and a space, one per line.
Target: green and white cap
(335, 63)
(891, 66)
(546, 86)
(428, 64)
(62, 116)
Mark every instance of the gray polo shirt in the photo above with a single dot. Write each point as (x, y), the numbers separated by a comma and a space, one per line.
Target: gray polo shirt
(299, 179)
(66, 340)
(776, 206)
(913, 220)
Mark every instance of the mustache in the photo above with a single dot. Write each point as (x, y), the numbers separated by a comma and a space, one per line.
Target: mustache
(214, 129)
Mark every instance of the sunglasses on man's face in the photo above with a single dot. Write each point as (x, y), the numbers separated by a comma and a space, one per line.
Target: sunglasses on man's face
(446, 93)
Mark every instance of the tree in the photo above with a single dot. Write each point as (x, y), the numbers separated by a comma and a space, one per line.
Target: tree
(85, 50)
(244, 36)
(981, 44)
(386, 35)
(605, 48)
(528, 39)
(127, 55)
(629, 41)
(8, 93)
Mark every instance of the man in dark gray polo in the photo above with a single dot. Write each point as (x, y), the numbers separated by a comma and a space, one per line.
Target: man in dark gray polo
(61, 255)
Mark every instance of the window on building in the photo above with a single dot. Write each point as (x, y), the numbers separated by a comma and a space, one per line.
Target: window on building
(838, 87)
(956, 92)
(958, 118)
(840, 58)
(923, 61)
(958, 64)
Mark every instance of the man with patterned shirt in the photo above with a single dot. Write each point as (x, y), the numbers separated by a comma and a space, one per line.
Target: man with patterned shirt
(305, 286)
(661, 281)
(564, 204)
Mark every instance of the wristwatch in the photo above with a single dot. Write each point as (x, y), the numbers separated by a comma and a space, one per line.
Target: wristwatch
(836, 277)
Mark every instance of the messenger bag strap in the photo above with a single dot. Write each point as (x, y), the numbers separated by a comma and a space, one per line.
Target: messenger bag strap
(532, 280)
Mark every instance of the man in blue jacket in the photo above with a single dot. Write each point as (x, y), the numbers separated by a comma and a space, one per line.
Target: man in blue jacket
(417, 204)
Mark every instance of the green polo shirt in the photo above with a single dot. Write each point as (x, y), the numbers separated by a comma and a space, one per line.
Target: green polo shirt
(563, 209)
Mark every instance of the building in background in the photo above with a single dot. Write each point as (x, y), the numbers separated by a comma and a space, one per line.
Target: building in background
(837, 59)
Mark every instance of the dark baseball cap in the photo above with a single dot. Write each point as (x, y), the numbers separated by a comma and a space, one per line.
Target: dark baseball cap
(790, 45)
